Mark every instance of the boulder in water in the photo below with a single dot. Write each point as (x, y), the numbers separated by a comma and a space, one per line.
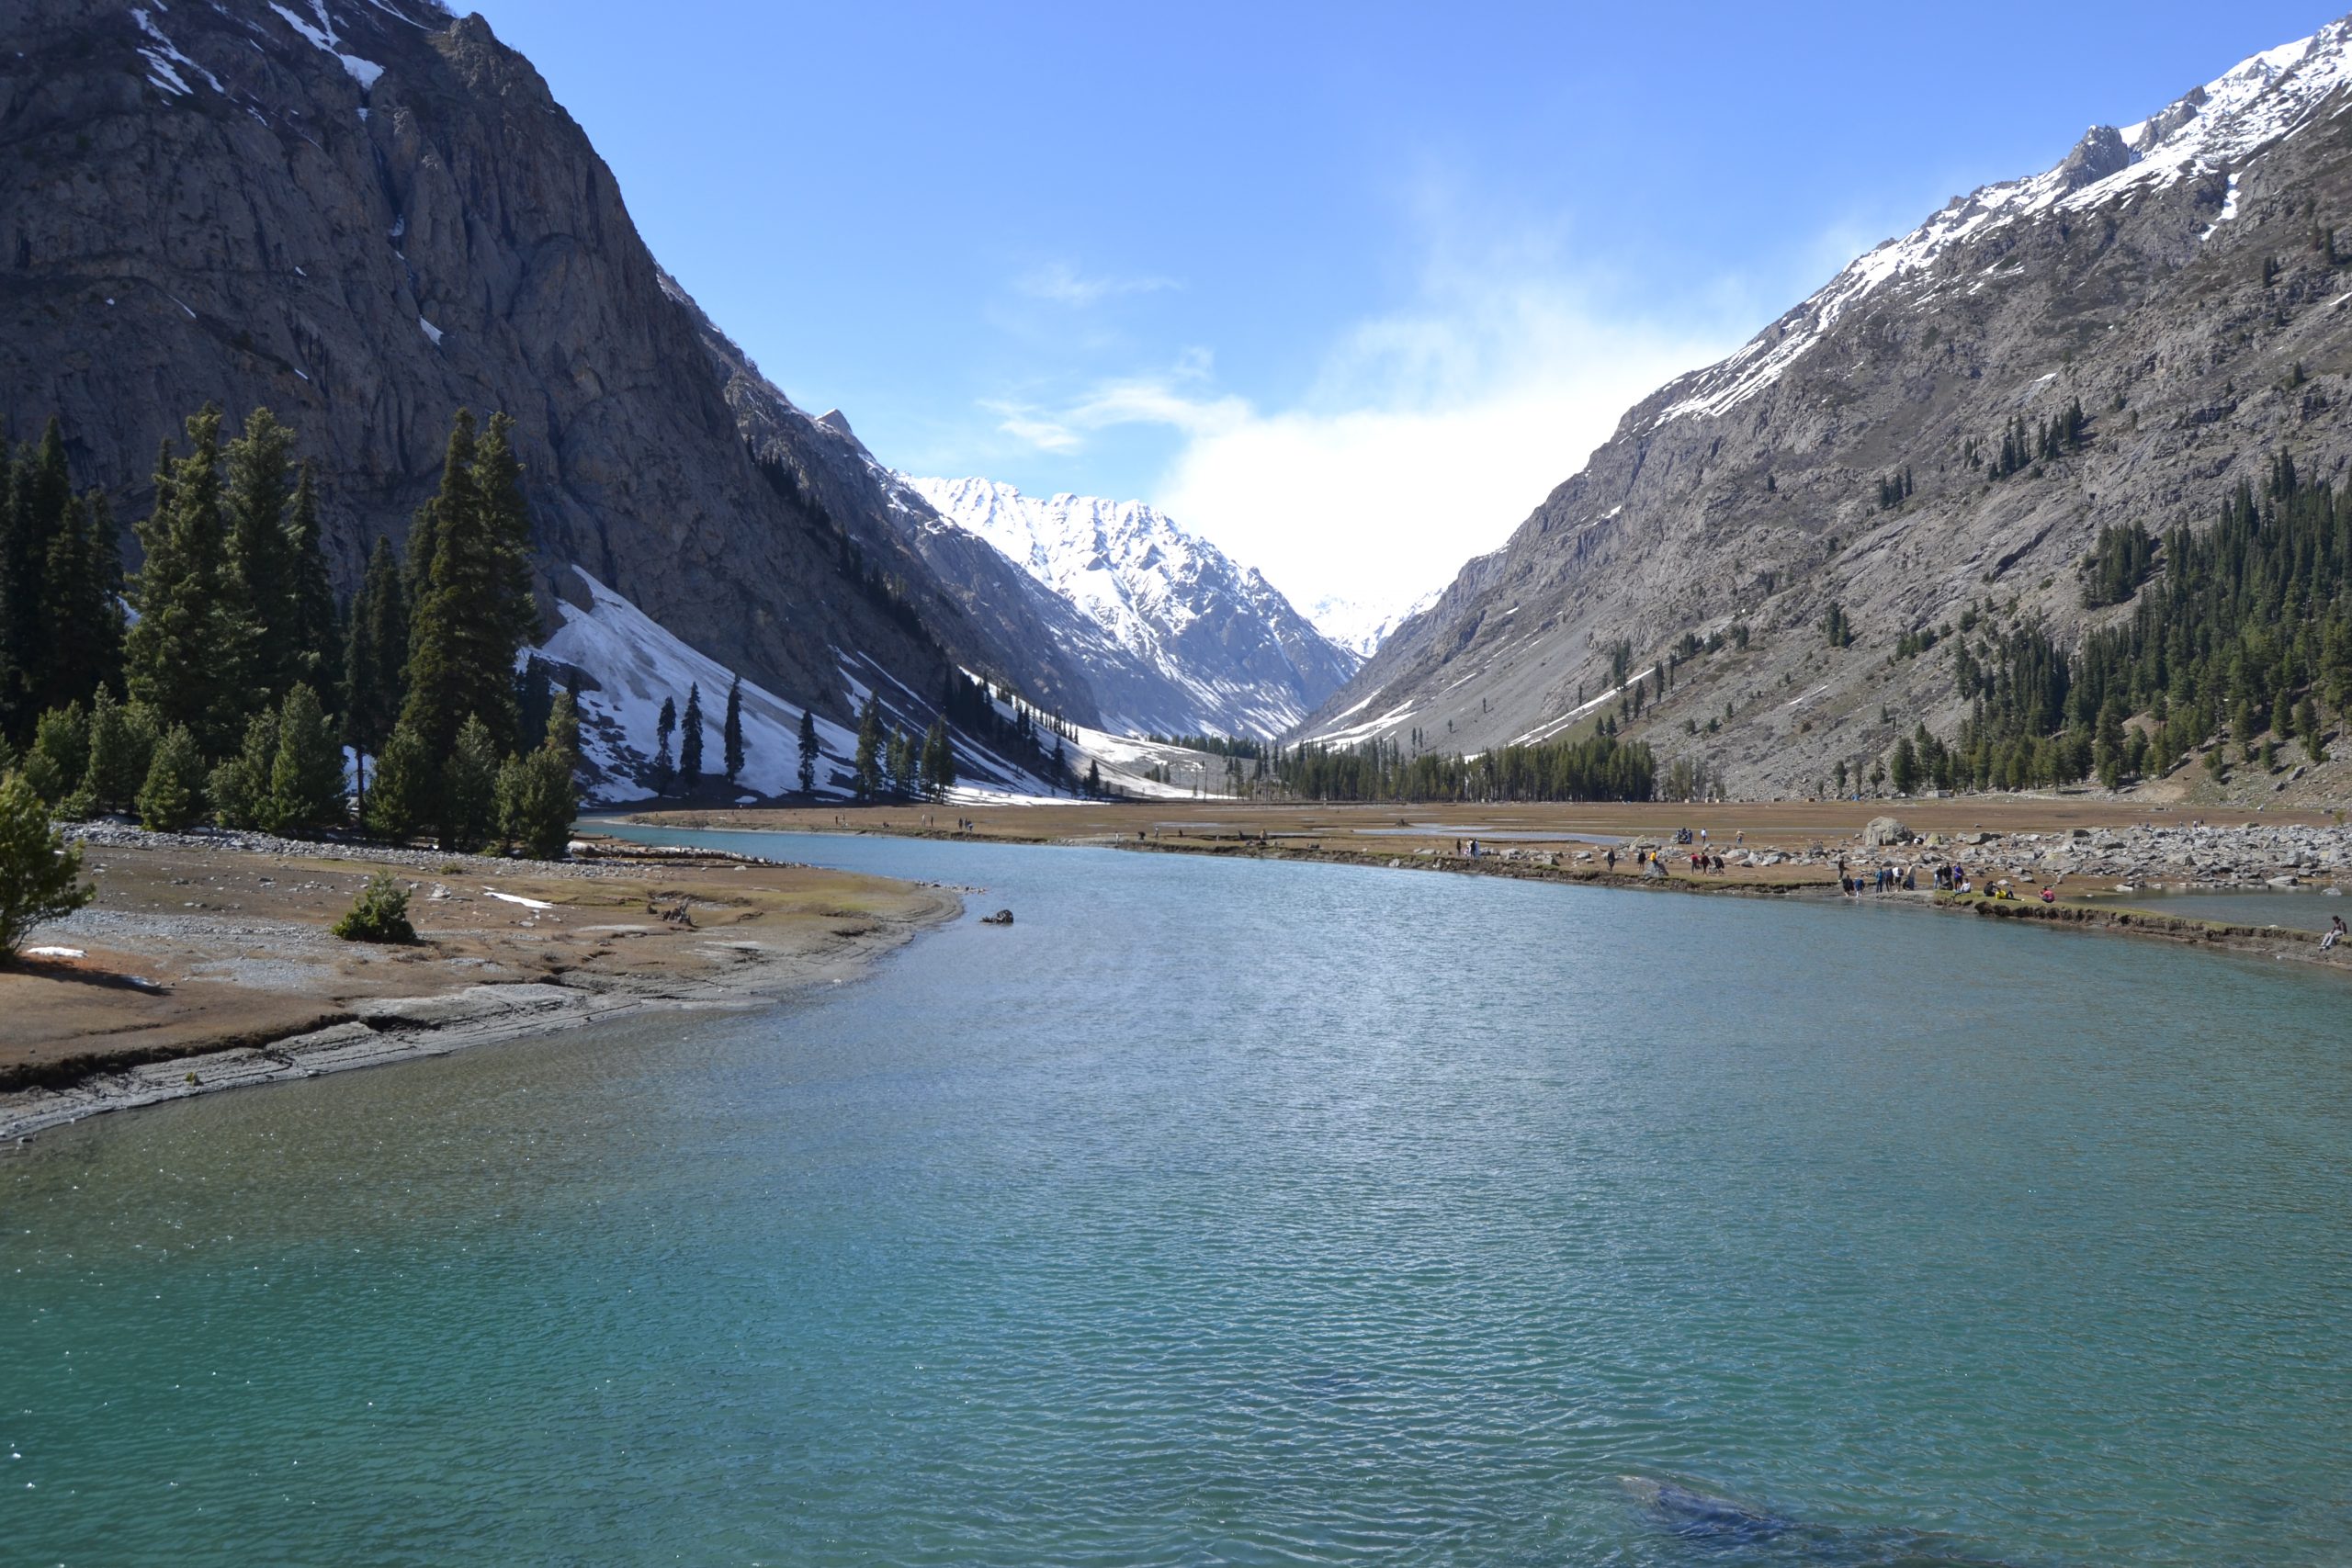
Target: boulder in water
(1002, 918)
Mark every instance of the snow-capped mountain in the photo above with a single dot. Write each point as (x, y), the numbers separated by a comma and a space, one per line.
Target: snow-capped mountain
(2179, 290)
(1360, 626)
(1177, 637)
(2208, 131)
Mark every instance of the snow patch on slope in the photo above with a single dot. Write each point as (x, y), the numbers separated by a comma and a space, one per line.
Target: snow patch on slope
(635, 663)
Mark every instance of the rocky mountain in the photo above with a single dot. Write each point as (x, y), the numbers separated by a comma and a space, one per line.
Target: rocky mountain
(2182, 280)
(1176, 638)
(365, 214)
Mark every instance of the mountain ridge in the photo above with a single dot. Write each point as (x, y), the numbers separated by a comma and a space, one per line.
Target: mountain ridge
(1191, 641)
(2173, 282)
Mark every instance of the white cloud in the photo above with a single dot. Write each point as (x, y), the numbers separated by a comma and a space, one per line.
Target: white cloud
(1427, 436)
(1065, 285)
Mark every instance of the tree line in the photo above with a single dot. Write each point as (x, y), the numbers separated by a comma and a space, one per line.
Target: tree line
(2244, 638)
(1598, 766)
(222, 681)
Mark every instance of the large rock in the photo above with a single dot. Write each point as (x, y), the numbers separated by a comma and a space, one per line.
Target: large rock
(1884, 830)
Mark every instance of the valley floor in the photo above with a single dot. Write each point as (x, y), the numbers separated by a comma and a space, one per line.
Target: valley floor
(206, 961)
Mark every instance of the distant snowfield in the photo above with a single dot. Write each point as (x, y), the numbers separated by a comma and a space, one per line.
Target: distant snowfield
(632, 663)
(1361, 625)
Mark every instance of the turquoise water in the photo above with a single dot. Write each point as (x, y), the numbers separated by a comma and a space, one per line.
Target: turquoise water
(1253, 1214)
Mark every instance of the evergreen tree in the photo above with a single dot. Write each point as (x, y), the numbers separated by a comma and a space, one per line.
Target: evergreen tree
(374, 649)
(474, 612)
(1093, 777)
(305, 775)
(80, 619)
(938, 761)
(404, 796)
(172, 798)
(563, 730)
(808, 750)
(260, 485)
(470, 804)
(2308, 727)
(536, 799)
(61, 740)
(239, 786)
(664, 770)
(505, 525)
(39, 496)
(690, 742)
(189, 656)
(310, 592)
(122, 745)
(894, 763)
(732, 734)
(40, 875)
(1904, 768)
(866, 771)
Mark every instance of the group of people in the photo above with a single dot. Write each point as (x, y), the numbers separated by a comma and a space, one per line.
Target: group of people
(1883, 879)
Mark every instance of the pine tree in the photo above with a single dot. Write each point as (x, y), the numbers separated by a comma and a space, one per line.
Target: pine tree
(866, 771)
(690, 742)
(260, 485)
(191, 654)
(404, 796)
(310, 592)
(1904, 766)
(505, 523)
(172, 799)
(80, 615)
(305, 775)
(40, 875)
(239, 786)
(122, 745)
(808, 750)
(62, 740)
(536, 799)
(938, 762)
(1093, 777)
(374, 649)
(732, 734)
(41, 494)
(664, 770)
(473, 613)
(470, 788)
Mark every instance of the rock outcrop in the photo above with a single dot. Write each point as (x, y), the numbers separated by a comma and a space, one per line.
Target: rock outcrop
(366, 215)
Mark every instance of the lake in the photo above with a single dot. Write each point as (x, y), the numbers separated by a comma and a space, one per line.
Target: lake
(1222, 1212)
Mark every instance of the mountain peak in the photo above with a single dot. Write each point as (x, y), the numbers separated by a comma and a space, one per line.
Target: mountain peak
(1241, 658)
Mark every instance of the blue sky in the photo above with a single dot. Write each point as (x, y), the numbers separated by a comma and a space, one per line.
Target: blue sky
(1347, 288)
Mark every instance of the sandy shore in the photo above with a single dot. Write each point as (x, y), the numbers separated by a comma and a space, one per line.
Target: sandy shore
(205, 963)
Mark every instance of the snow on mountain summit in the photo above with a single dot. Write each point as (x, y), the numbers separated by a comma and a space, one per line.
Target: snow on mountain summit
(1240, 658)
(2205, 132)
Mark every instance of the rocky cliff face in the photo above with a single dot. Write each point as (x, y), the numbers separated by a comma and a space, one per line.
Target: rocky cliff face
(2175, 277)
(1178, 638)
(365, 215)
